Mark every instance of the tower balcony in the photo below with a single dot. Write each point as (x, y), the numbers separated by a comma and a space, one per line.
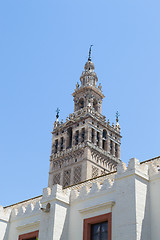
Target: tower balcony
(105, 155)
(87, 110)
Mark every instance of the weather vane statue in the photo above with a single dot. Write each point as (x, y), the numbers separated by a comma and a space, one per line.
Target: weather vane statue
(117, 116)
(89, 57)
(57, 111)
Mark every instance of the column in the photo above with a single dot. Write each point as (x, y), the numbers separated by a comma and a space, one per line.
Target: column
(119, 151)
(100, 139)
(108, 145)
(65, 140)
(105, 145)
(73, 137)
(89, 134)
(59, 143)
(113, 148)
(94, 136)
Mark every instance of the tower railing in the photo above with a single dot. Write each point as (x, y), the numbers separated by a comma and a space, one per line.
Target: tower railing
(84, 111)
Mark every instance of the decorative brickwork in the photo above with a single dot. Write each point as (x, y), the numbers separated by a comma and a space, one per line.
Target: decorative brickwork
(66, 178)
(56, 178)
(102, 172)
(94, 172)
(77, 174)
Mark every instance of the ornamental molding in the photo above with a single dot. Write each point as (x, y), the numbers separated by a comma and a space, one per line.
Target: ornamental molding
(83, 89)
(97, 207)
(104, 154)
(68, 153)
(35, 224)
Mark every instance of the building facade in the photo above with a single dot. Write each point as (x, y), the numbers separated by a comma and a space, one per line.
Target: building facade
(91, 193)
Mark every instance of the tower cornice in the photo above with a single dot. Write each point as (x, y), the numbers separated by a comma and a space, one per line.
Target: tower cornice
(86, 113)
(83, 89)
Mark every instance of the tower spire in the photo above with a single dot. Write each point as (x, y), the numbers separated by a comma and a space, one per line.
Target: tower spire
(89, 56)
(117, 116)
(57, 111)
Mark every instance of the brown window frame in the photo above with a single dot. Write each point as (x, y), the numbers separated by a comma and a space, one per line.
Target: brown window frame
(28, 235)
(97, 219)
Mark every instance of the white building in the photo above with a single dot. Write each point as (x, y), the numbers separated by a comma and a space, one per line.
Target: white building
(91, 194)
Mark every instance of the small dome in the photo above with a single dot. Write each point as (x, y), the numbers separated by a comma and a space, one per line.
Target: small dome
(89, 66)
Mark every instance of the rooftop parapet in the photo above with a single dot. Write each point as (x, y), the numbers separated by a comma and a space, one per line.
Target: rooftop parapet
(4, 213)
(26, 208)
(55, 193)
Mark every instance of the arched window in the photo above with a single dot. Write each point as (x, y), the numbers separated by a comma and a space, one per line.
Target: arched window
(104, 140)
(62, 141)
(97, 139)
(104, 134)
(76, 137)
(56, 146)
(83, 134)
(95, 105)
(111, 147)
(81, 103)
(92, 136)
(116, 150)
(69, 131)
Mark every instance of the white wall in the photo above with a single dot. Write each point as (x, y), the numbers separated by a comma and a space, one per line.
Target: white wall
(155, 206)
(4, 222)
(131, 195)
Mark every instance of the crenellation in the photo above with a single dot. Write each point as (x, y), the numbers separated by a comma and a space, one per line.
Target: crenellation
(28, 208)
(133, 164)
(74, 195)
(106, 184)
(5, 213)
(153, 169)
(83, 192)
(56, 192)
(56, 189)
(14, 212)
(95, 188)
(121, 167)
(21, 210)
(100, 179)
(46, 192)
(37, 206)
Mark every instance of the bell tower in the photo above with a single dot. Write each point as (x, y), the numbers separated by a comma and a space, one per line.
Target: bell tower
(88, 94)
(85, 146)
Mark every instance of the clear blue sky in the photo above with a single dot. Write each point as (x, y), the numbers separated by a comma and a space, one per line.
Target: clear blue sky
(43, 49)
